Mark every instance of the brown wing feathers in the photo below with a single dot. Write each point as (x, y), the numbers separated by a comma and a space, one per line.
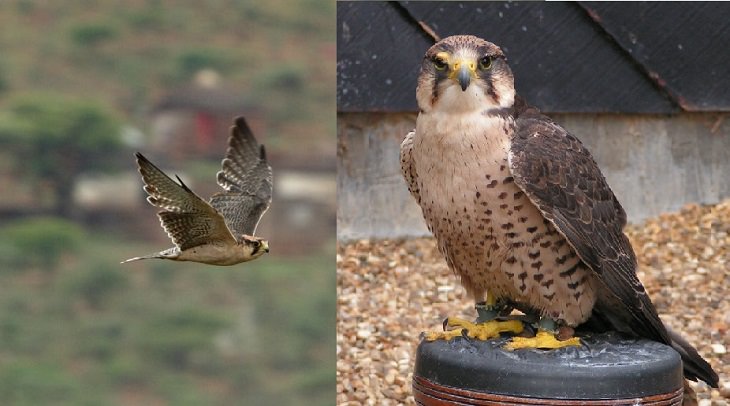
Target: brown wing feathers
(561, 178)
(188, 220)
(246, 176)
(163, 192)
(242, 158)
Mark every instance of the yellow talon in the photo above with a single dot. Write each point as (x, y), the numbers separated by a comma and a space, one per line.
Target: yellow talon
(443, 335)
(479, 331)
(543, 339)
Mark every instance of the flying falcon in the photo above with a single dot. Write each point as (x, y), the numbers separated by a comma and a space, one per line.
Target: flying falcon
(219, 232)
(521, 211)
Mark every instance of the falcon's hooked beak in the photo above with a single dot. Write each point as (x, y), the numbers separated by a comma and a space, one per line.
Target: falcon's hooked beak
(463, 70)
(265, 245)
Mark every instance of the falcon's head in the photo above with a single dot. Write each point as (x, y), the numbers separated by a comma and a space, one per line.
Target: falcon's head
(253, 247)
(462, 73)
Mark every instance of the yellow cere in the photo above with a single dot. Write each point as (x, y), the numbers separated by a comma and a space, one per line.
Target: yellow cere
(466, 61)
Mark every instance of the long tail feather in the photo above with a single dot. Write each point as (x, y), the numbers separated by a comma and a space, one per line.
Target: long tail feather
(170, 253)
(694, 365)
(151, 256)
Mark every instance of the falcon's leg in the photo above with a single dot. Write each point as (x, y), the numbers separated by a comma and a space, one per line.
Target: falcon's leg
(486, 326)
(489, 310)
(546, 338)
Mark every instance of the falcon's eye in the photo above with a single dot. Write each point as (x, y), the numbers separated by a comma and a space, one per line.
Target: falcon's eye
(485, 63)
(439, 63)
(256, 244)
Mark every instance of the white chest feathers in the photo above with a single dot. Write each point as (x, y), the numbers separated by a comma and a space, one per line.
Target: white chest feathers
(452, 154)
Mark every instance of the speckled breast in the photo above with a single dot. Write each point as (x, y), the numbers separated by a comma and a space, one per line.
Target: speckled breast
(492, 236)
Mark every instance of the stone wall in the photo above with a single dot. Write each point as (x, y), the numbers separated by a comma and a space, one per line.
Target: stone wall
(654, 164)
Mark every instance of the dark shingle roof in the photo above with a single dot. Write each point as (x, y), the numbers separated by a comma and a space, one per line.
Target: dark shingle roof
(567, 57)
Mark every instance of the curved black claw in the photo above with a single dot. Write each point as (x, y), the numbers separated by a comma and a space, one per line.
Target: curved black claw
(530, 330)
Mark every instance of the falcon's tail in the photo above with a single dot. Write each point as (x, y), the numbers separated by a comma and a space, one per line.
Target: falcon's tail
(170, 253)
(694, 365)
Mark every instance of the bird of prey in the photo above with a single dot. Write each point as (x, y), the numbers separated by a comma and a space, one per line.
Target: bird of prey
(520, 210)
(219, 232)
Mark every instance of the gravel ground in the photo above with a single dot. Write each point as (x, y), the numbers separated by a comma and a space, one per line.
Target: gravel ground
(390, 291)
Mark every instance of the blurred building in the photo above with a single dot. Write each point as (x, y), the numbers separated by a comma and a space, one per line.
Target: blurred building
(194, 120)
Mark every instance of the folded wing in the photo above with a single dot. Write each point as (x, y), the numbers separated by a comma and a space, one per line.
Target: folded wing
(561, 178)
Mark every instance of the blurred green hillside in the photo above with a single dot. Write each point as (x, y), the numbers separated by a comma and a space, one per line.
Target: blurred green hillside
(279, 54)
(78, 328)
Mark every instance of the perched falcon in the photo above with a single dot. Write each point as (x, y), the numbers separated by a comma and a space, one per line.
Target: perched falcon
(520, 209)
(220, 232)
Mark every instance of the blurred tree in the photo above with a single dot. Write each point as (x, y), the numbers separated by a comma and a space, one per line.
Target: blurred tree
(25, 382)
(95, 283)
(191, 61)
(287, 78)
(4, 84)
(92, 34)
(42, 241)
(175, 337)
(56, 138)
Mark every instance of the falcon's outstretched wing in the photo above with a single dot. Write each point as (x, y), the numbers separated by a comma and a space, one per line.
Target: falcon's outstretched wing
(188, 220)
(246, 177)
(561, 178)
